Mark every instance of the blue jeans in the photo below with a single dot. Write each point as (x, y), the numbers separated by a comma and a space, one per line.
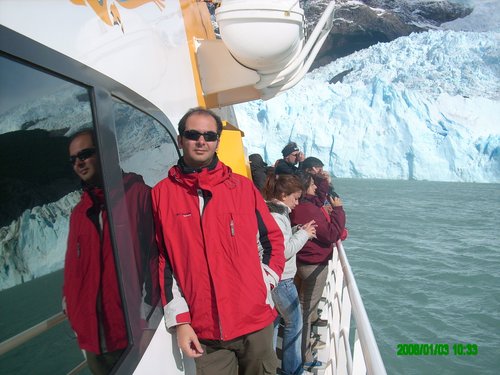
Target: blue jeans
(286, 299)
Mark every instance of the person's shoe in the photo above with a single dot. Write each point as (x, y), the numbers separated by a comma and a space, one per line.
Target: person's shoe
(314, 365)
(320, 322)
(318, 344)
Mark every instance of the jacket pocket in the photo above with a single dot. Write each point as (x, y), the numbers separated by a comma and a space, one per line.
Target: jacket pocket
(235, 230)
(227, 233)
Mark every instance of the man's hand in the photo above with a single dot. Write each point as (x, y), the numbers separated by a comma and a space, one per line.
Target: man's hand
(188, 341)
(325, 175)
(300, 157)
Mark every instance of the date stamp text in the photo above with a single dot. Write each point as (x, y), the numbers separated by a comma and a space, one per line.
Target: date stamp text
(437, 349)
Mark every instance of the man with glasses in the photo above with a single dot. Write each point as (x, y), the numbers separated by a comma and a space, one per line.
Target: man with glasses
(215, 285)
(291, 157)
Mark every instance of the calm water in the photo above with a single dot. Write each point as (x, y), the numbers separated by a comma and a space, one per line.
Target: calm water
(426, 257)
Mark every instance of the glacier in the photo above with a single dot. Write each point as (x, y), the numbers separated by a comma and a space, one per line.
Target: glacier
(41, 247)
(423, 107)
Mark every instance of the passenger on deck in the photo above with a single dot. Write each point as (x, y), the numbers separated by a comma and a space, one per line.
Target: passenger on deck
(282, 193)
(216, 291)
(291, 157)
(259, 170)
(323, 182)
(322, 179)
(312, 260)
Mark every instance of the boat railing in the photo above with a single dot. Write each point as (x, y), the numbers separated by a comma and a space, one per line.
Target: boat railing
(343, 301)
(32, 332)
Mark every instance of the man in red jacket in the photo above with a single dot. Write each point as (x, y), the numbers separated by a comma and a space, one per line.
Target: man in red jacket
(215, 285)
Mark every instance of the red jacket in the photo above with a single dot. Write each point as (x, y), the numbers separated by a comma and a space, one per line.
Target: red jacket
(318, 250)
(211, 275)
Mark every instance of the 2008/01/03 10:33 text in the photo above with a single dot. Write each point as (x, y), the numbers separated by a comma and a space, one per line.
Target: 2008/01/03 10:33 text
(437, 349)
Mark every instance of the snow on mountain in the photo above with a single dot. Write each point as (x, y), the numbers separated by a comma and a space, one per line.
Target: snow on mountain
(360, 24)
(424, 106)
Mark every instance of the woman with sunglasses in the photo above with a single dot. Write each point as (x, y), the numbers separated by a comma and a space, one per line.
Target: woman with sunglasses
(282, 194)
(313, 258)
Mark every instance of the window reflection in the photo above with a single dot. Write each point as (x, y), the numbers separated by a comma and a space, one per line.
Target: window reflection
(91, 292)
(36, 112)
(38, 191)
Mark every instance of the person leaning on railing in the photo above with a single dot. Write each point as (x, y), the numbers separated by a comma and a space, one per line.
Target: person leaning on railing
(323, 182)
(312, 260)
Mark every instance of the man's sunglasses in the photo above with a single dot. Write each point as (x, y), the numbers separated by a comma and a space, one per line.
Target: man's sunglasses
(194, 135)
(82, 155)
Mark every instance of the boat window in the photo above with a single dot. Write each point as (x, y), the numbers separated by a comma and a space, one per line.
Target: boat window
(39, 112)
(144, 145)
(146, 152)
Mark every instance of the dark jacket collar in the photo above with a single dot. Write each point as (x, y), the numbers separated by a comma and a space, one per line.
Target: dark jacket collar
(203, 178)
(186, 169)
(312, 199)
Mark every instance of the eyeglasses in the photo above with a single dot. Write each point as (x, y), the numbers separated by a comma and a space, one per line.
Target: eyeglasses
(82, 155)
(194, 135)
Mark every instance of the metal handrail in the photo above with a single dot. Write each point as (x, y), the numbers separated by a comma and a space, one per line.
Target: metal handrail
(31, 333)
(371, 353)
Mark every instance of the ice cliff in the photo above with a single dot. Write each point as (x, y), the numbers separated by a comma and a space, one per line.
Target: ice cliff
(423, 107)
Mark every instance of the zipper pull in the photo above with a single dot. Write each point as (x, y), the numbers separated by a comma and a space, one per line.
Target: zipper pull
(231, 225)
(78, 250)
